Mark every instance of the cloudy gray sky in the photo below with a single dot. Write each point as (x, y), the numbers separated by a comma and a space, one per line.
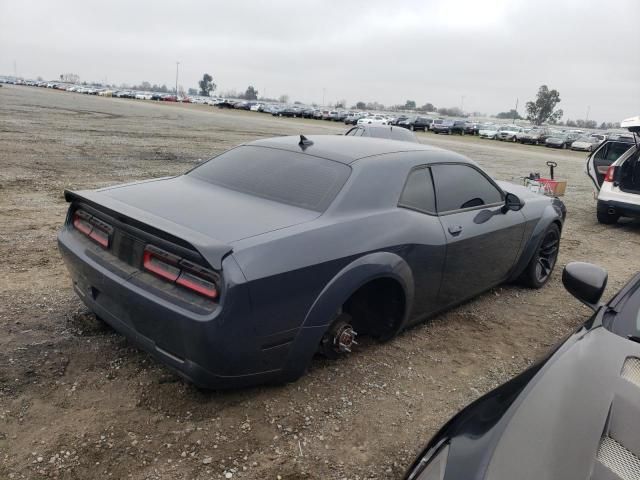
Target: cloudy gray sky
(491, 52)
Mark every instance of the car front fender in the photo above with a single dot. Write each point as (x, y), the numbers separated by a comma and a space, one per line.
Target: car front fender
(555, 211)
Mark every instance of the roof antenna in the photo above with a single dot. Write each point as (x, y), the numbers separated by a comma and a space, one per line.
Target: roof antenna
(304, 142)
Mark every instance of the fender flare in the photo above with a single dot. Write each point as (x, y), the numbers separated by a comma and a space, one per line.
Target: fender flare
(550, 215)
(347, 281)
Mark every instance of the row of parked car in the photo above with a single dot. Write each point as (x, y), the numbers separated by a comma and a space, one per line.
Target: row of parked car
(554, 138)
(550, 137)
(121, 93)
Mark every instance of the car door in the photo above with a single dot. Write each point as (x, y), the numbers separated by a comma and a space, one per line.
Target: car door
(483, 242)
(602, 158)
(425, 254)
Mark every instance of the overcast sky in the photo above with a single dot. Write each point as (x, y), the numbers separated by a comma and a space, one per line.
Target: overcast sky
(479, 54)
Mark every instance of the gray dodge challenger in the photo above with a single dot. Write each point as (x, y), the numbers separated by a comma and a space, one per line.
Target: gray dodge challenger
(239, 271)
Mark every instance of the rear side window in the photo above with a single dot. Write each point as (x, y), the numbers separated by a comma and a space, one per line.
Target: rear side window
(616, 149)
(287, 177)
(418, 191)
(462, 186)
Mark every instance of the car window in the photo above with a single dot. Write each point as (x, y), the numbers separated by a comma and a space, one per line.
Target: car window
(616, 149)
(418, 191)
(460, 186)
(287, 177)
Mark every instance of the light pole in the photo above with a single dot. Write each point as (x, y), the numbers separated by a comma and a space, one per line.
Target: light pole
(515, 112)
(177, 64)
(588, 110)
(324, 90)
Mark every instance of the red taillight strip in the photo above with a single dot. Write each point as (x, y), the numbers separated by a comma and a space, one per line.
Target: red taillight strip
(94, 228)
(611, 172)
(197, 284)
(180, 271)
(82, 225)
(163, 269)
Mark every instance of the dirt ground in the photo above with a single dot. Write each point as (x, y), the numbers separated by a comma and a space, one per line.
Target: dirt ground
(78, 401)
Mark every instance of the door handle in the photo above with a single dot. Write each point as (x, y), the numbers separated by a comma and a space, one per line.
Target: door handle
(455, 229)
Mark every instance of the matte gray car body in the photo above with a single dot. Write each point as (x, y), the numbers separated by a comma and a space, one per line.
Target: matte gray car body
(286, 271)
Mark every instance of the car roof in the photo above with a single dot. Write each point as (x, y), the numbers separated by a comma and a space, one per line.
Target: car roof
(343, 149)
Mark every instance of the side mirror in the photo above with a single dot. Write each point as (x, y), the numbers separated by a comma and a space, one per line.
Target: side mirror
(586, 282)
(512, 202)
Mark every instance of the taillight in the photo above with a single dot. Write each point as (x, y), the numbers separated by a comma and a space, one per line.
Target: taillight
(161, 263)
(94, 228)
(611, 172)
(180, 271)
(197, 284)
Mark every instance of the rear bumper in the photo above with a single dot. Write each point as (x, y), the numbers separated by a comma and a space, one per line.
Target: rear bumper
(621, 208)
(212, 349)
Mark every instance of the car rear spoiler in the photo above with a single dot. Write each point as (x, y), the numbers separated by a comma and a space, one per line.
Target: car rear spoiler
(211, 250)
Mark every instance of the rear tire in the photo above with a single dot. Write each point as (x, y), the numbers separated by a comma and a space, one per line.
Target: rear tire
(540, 267)
(606, 218)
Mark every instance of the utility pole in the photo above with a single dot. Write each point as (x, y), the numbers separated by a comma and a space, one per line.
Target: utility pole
(177, 65)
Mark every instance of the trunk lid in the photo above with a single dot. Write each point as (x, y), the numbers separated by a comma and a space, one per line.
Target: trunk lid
(207, 216)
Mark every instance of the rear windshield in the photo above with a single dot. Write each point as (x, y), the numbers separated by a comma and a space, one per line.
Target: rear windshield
(287, 177)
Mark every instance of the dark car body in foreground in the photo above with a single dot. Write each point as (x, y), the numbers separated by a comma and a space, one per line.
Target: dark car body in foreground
(239, 271)
(573, 415)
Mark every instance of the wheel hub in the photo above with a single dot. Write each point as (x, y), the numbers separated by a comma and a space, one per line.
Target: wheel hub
(344, 338)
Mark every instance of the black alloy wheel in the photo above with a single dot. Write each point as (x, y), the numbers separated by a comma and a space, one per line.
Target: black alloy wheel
(541, 265)
(547, 255)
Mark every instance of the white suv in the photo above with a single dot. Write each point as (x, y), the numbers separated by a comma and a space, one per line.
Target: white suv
(614, 168)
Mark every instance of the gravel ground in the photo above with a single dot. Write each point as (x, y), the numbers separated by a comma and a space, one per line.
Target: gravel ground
(78, 401)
